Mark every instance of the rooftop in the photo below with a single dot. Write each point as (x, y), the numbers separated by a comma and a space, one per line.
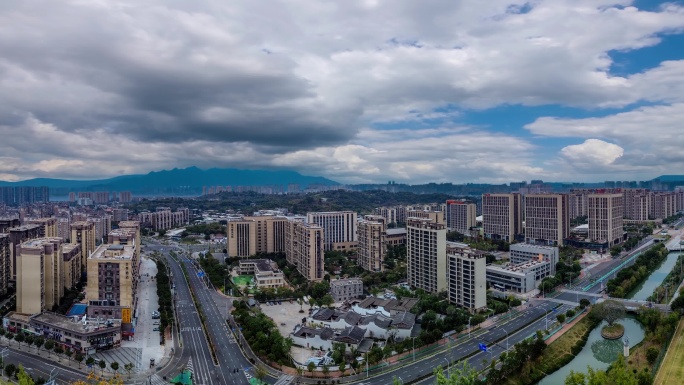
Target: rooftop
(397, 231)
(113, 252)
(74, 324)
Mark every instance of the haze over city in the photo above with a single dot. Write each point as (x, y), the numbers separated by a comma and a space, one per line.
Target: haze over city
(355, 91)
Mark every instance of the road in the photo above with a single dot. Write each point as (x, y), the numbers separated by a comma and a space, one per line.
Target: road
(39, 366)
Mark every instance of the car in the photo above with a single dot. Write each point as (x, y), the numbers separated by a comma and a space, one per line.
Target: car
(280, 302)
(156, 329)
(155, 316)
(155, 323)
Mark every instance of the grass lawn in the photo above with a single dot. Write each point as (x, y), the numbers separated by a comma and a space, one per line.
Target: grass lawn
(242, 280)
(672, 369)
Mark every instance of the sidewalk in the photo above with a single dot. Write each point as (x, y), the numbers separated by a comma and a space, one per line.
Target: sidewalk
(565, 328)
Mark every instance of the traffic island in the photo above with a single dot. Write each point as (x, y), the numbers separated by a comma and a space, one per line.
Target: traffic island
(613, 332)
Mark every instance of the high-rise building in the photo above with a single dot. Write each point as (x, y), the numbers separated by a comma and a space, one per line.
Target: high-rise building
(270, 233)
(460, 216)
(125, 197)
(467, 278)
(371, 233)
(24, 195)
(72, 197)
(426, 254)
(339, 228)
(305, 249)
(48, 226)
(547, 219)
(71, 257)
(241, 238)
(119, 215)
(110, 275)
(389, 213)
(663, 205)
(64, 228)
(605, 217)
(19, 235)
(5, 262)
(436, 216)
(39, 275)
(502, 216)
(83, 233)
(637, 203)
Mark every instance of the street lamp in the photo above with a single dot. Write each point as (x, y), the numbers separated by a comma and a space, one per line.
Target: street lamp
(413, 339)
(469, 318)
(3, 354)
(447, 366)
(506, 338)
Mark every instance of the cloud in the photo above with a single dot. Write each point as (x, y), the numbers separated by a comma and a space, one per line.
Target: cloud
(592, 153)
(100, 88)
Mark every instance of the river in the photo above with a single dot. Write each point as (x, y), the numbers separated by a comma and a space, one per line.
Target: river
(599, 352)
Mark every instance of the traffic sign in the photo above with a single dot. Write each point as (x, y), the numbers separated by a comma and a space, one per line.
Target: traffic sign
(200, 274)
(483, 347)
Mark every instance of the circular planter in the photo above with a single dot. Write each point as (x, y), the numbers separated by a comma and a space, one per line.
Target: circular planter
(613, 332)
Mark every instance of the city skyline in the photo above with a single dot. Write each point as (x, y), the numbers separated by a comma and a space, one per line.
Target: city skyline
(358, 92)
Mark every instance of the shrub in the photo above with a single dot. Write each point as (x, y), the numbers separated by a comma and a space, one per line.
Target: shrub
(652, 355)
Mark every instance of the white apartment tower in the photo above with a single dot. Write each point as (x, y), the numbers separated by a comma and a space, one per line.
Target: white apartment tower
(467, 278)
(460, 216)
(339, 228)
(372, 234)
(547, 219)
(502, 216)
(605, 213)
(426, 254)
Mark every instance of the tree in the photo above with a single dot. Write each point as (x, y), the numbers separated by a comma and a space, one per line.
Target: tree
(58, 351)
(68, 353)
(260, 372)
(128, 368)
(102, 365)
(343, 367)
(19, 337)
(459, 374)
(327, 300)
(584, 302)
(609, 311)
(38, 342)
(49, 345)
(90, 361)
(10, 369)
(310, 367)
(78, 357)
(651, 355)
(326, 370)
(115, 366)
(23, 377)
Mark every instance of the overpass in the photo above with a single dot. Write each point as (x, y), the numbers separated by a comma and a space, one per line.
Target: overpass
(635, 305)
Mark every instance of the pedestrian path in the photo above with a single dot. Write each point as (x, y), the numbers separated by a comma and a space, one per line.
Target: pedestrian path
(121, 355)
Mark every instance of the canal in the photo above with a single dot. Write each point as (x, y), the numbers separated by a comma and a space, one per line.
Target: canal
(599, 352)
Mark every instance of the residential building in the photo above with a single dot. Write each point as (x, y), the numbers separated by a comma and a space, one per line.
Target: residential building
(467, 278)
(241, 238)
(125, 197)
(164, 219)
(71, 259)
(502, 216)
(547, 219)
(266, 273)
(346, 289)
(111, 275)
(396, 237)
(663, 205)
(8, 223)
(64, 229)
(426, 254)
(389, 213)
(460, 216)
(339, 228)
(24, 195)
(19, 235)
(269, 233)
(5, 262)
(119, 215)
(48, 226)
(577, 205)
(304, 248)
(637, 203)
(435, 216)
(39, 275)
(605, 218)
(372, 238)
(83, 233)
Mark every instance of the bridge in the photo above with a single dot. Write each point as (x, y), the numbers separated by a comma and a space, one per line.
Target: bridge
(630, 304)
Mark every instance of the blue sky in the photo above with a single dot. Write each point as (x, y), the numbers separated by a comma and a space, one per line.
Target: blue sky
(358, 91)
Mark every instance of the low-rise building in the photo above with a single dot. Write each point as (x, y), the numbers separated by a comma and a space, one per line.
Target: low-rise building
(524, 252)
(521, 278)
(396, 237)
(266, 272)
(346, 289)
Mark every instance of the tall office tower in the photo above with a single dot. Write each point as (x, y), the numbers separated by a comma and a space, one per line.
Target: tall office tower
(426, 254)
(389, 213)
(83, 233)
(679, 198)
(304, 249)
(270, 233)
(605, 217)
(5, 262)
(339, 228)
(460, 216)
(547, 219)
(71, 257)
(19, 235)
(467, 278)
(577, 203)
(502, 216)
(125, 197)
(39, 275)
(241, 238)
(110, 275)
(48, 227)
(372, 234)
(72, 197)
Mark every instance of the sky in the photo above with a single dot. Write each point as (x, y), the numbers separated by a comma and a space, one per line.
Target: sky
(357, 91)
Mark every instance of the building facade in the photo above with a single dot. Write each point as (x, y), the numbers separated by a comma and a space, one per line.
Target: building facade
(110, 275)
(83, 234)
(467, 278)
(547, 219)
(426, 254)
(339, 228)
(372, 246)
(346, 289)
(606, 215)
(502, 216)
(241, 238)
(460, 216)
(39, 275)
(521, 253)
(305, 249)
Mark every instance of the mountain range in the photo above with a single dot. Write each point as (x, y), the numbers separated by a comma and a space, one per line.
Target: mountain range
(186, 181)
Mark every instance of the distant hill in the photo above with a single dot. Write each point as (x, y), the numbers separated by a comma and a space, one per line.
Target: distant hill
(187, 181)
(670, 178)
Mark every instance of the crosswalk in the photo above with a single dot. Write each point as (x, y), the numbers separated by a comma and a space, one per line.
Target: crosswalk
(157, 380)
(190, 368)
(284, 380)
